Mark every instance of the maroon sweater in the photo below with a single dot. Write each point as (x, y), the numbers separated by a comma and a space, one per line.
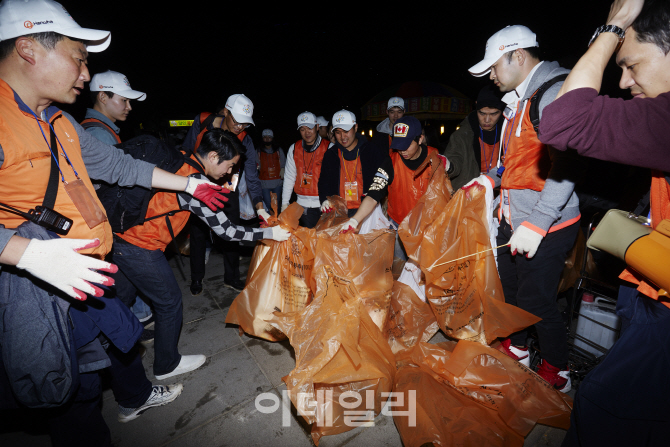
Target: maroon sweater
(634, 132)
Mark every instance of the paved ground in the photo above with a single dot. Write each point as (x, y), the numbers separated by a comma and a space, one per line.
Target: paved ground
(217, 406)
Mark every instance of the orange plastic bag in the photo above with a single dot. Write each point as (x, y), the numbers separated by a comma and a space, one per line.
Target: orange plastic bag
(475, 395)
(366, 259)
(278, 279)
(343, 363)
(336, 217)
(410, 320)
(466, 296)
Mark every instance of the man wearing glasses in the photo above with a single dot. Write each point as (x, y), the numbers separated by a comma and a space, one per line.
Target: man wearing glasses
(235, 117)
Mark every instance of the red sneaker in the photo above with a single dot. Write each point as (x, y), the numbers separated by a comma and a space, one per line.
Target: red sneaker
(520, 355)
(559, 379)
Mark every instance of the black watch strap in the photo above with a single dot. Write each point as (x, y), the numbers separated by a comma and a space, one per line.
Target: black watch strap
(609, 29)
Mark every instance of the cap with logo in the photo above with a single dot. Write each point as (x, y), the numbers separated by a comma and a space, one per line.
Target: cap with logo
(396, 101)
(241, 107)
(405, 130)
(306, 119)
(507, 39)
(321, 121)
(113, 81)
(344, 120)
(267, 133)
(21, 17)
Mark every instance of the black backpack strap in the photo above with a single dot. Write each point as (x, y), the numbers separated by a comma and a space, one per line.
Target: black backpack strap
(534, 101)
(52, 185)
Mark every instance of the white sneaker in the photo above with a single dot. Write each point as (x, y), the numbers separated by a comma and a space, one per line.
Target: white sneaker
(160, 395)
(186, 364)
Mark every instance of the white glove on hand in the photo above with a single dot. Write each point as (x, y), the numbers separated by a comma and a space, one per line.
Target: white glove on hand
(57, 262)
(283, 207)
(279, 234)
(263, 215)
(525, 240)
(349, 226)
(471, 182)
(326, 206)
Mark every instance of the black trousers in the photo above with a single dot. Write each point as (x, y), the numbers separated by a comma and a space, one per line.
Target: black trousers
(200, 232)
(310, 217)
(531, 285)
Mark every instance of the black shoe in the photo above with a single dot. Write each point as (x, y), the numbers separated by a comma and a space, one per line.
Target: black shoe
(235, 284)
(147, 336)
(196, 287)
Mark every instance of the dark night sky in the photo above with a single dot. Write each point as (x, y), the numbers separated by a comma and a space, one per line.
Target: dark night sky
(288, 59)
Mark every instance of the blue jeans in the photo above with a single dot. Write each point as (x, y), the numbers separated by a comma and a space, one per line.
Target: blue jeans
(149, 272)
(141, 309)
(267, 198)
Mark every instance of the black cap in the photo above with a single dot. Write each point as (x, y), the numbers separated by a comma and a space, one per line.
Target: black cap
(489, 97)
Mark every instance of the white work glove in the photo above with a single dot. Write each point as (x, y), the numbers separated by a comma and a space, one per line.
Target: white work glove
(283, 207)
(471, 182)
(525, 240)
(326, 206)
(349, 226)
(207, 192)
(56, 262)
(279, 234)
(263, 215)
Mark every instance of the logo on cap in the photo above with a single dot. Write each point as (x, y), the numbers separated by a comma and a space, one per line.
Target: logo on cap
(400, 130)
(100, 86)
(303, 118)
(247, 109)
(395, 101)
(28, 24)
(339, 118)
(125, 81)
(502, 47)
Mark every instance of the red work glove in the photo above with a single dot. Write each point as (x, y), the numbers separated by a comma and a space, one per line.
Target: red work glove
(207, 192)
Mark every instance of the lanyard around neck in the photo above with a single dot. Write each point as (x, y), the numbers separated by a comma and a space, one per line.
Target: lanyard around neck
(481, 134)
(346, 171)
(51, 149)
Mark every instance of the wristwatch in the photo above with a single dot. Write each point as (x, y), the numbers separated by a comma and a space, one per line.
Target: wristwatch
(609, 29)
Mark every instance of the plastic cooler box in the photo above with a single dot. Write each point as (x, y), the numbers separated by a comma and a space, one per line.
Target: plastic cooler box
(602, 311)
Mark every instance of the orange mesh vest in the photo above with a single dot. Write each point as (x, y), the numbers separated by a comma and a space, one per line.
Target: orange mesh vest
(25, 170)
(111, 131)
(308, 163)
(353, 170)
(527, 160)
(270, 165)
(405, 190)
(154, 234)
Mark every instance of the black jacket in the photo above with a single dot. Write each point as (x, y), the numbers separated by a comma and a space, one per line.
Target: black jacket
(371, 158)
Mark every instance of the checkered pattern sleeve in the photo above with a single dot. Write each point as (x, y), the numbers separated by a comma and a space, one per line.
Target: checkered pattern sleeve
(218, 221)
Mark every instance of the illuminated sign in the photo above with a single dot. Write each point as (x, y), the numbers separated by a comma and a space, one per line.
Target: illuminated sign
(181, 123)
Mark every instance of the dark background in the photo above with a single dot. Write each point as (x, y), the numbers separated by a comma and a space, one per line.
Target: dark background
(190, 56)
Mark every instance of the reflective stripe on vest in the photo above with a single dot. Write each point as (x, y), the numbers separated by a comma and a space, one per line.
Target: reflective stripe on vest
(313, 160)
(405, 190)
(527, 159)
(109, 129)
(270, 165)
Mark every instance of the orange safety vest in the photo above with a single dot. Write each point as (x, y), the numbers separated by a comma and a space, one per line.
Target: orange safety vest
(25, 170)
(154, 234)
(111, 131)
(308, 168)
(352, 168)
(270, 165)
(527, 159)
(406, 190)
(489, 153)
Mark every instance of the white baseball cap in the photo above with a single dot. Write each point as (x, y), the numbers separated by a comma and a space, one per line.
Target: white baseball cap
(396, 101)
(344, 119)
(321, 121)
(507, 39)
(267, 133)
(21, 17)
(241, 107)
(306, 119)
(113, 81)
